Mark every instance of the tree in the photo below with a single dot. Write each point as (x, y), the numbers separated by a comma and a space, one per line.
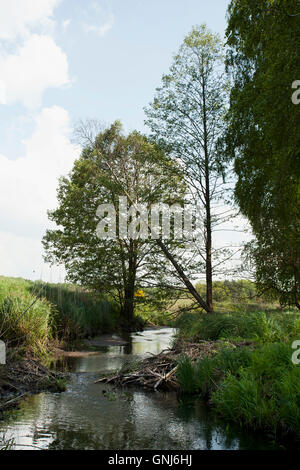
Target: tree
(109, 165)
(121, 261)
(186, 118)
(263, 136)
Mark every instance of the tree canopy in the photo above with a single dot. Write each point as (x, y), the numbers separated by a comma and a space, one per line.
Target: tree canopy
(262, 135)
(186, 117)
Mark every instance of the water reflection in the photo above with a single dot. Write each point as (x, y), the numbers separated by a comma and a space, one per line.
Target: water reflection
(84, 417)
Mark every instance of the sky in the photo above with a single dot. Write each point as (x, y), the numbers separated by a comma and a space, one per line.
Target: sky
(65, 60)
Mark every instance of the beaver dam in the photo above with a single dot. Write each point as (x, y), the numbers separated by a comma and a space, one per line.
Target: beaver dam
(159, 371)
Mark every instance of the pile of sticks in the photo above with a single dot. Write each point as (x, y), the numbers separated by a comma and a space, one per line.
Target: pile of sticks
(154, 372)
(159, 371)
(29, 372)
(23, 378)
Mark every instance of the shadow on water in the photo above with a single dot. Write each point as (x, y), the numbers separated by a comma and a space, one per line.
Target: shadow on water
(97, 416)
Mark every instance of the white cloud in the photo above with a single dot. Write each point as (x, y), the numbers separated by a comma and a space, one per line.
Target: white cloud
(65, 24)
(100, 29)
(37, 65)
(99, 19)
(28, 189)
(18, 17)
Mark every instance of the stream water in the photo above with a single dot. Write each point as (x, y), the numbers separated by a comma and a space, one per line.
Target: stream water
(94, 416)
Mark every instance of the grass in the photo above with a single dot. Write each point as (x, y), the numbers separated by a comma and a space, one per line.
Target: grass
(6, 444)
(33, 313)
(26, 321)
(258, 326)
(265, 394)
(78, 313)
(257, 386)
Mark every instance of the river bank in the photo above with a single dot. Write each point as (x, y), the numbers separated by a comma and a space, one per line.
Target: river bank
(28, 375)
(23, 377)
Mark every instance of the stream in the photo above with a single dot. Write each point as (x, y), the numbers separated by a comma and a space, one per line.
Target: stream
(96, 416)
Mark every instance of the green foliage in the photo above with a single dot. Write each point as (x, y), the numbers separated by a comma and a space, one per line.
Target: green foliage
(33, 313)
(186, 375)
(263, 137)
(78, 313)
(204, 374)
(255, 326)
(25, 319)
(186, 118)
(286, 390)
(154, 307)
(231, 291)
(265, 394)
(6, 444)
(238, 399)
(257, 388)
(112, 165)
(231, 360)
(198, 377)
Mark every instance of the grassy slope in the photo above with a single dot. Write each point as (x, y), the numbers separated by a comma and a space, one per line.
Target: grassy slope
(31, 314)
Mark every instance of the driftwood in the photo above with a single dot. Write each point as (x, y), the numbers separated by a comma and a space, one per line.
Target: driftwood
(13, 401)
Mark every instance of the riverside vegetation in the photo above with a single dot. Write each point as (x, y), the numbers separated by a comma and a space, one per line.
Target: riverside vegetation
(35, 318)
(250, 378)
(238, 360)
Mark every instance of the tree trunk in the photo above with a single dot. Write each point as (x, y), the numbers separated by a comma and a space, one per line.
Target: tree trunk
(209, 294)
(208, 246)
(183, 277)
(129, 287)
(128, 310)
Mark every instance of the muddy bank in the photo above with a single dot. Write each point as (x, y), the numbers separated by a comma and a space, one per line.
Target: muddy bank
(27, 376)
(88, 346)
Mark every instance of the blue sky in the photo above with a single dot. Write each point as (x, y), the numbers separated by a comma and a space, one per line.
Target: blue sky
(62, 60)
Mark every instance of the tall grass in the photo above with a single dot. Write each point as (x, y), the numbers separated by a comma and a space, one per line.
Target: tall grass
(26, 320)
(78, 313)
(256, 386)
(33, 313)
(264, 395)
(255, 326)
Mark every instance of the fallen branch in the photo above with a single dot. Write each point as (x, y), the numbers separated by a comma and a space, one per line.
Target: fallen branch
(13, 400)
